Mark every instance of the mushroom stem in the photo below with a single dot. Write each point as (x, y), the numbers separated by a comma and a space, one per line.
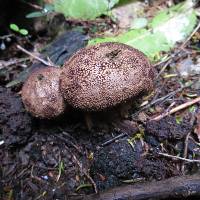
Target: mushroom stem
(88, 121)
(123, 110)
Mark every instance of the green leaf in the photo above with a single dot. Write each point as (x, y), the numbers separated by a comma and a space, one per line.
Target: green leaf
(166, 28)
(83, 186)
(23, 31)
(192, 109)
(36, 14)
(179, 119)
(49, 7)
(83, 9)
(139, 23)
(14, 27)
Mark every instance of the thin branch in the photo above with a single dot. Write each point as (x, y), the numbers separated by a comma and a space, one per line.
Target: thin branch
(178, 108)
(85, 173)
(6, 36)
(185, 152)
(179, 158)
(4, 64)
(186, 145)
(34, 5)
(164, 67)
(159, 100)
(34, 56)
(113, 139)
(162, 61)
(190, 36)
(197, 143)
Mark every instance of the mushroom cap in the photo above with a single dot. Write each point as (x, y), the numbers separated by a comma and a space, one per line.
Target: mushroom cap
(41, 95)
(104, 75)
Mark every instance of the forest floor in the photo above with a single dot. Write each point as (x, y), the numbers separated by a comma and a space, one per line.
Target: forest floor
(61, 158)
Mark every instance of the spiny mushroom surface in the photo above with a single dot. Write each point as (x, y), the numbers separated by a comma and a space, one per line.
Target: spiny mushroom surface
(104, 75)
(41, 95)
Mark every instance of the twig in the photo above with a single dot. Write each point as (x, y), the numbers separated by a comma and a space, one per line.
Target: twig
(186, 145)
(162, 61)
(162, 99)
(34, 5)
(4, 64)
(166, 112)
(185, 153)
(190, 36)
(179, 158)
(34, 56)
(6, 36)
(68, 142)
(164, 67)
(113, 139)
(197, 143)
(86, 173)
(35, 177)
(180, 107)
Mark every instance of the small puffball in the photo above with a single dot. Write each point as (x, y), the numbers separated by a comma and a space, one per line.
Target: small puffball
(104, 75)
(41, 95)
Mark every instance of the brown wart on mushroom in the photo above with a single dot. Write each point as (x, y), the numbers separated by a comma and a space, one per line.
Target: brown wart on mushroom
(41, 95)
(105, 75)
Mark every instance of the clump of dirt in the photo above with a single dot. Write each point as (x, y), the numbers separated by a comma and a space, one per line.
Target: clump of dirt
(115, 163)
(15, 123)
(153, 167)
(168, 129)
(120, 162)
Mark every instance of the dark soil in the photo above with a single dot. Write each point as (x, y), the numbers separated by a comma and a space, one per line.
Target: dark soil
(120, 163)
(168, 129)
(15, 122)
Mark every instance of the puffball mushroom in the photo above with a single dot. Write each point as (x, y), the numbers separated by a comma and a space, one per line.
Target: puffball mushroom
(104, 75)
(41, 95)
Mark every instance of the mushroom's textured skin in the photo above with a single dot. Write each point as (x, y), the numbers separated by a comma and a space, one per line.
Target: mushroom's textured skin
(41, 95)
(104, 75)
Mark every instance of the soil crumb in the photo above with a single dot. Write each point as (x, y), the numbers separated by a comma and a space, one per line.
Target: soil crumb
(168, 129)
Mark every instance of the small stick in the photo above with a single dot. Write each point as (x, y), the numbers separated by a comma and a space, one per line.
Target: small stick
(186, 41)
(185, 153)
(34, 5)
(186, 145)
(180, 107)
(163, 68)
(161, 99)
(4, 64)
(197, 143)
(34, 56)
(179, 158)
(6, 36)
(113, 139)
(86, 173)
(161, 62)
